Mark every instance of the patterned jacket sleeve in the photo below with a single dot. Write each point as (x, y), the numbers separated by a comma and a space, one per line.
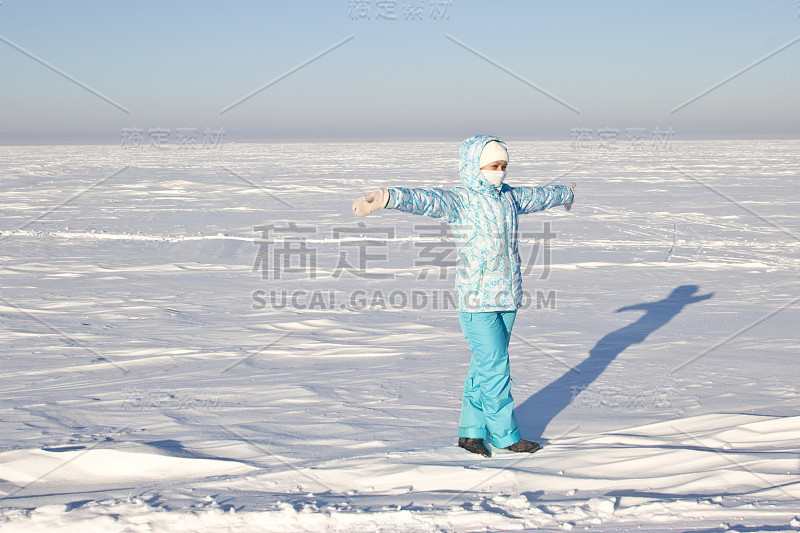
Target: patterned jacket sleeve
(531, 199)
(436, 203)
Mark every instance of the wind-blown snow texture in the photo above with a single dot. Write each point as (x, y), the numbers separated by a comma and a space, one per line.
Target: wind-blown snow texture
(153, 381)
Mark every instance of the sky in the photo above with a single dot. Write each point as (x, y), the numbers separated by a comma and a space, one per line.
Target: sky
(398, 69)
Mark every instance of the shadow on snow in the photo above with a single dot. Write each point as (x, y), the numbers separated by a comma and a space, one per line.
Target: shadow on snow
(535, 413)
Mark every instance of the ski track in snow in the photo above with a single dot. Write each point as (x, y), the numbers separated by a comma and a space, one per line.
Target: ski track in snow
(158, 374)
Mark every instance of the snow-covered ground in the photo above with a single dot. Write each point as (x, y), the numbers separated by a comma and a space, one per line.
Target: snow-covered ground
(209, 340)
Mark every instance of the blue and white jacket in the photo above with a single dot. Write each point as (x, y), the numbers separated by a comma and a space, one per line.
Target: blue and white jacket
(484, 220)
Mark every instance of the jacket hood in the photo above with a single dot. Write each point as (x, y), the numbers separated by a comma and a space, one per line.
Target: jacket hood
(469, 156)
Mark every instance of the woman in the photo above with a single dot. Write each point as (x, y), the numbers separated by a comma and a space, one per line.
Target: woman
(483, 214)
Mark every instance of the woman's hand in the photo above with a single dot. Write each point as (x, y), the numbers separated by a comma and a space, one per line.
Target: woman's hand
(569, 205)
(368, 203)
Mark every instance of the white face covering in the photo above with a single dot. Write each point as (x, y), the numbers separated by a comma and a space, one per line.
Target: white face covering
(495, 177)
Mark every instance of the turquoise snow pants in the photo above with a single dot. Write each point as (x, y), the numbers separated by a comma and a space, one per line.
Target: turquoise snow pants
(487, 405)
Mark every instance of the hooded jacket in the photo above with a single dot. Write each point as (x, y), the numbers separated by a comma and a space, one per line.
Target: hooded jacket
(484, 220)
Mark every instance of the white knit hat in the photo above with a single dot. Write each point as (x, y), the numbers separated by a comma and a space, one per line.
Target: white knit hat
(493, 151)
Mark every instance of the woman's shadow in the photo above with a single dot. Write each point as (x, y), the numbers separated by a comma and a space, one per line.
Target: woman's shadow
(540, 409)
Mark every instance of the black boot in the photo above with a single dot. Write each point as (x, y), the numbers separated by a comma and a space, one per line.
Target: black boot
(474, 446)
(523, 445)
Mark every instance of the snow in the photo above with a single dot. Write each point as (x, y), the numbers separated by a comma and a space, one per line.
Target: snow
(164, 370)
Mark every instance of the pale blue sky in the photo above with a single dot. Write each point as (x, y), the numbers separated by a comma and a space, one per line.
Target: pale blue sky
(177, 64)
